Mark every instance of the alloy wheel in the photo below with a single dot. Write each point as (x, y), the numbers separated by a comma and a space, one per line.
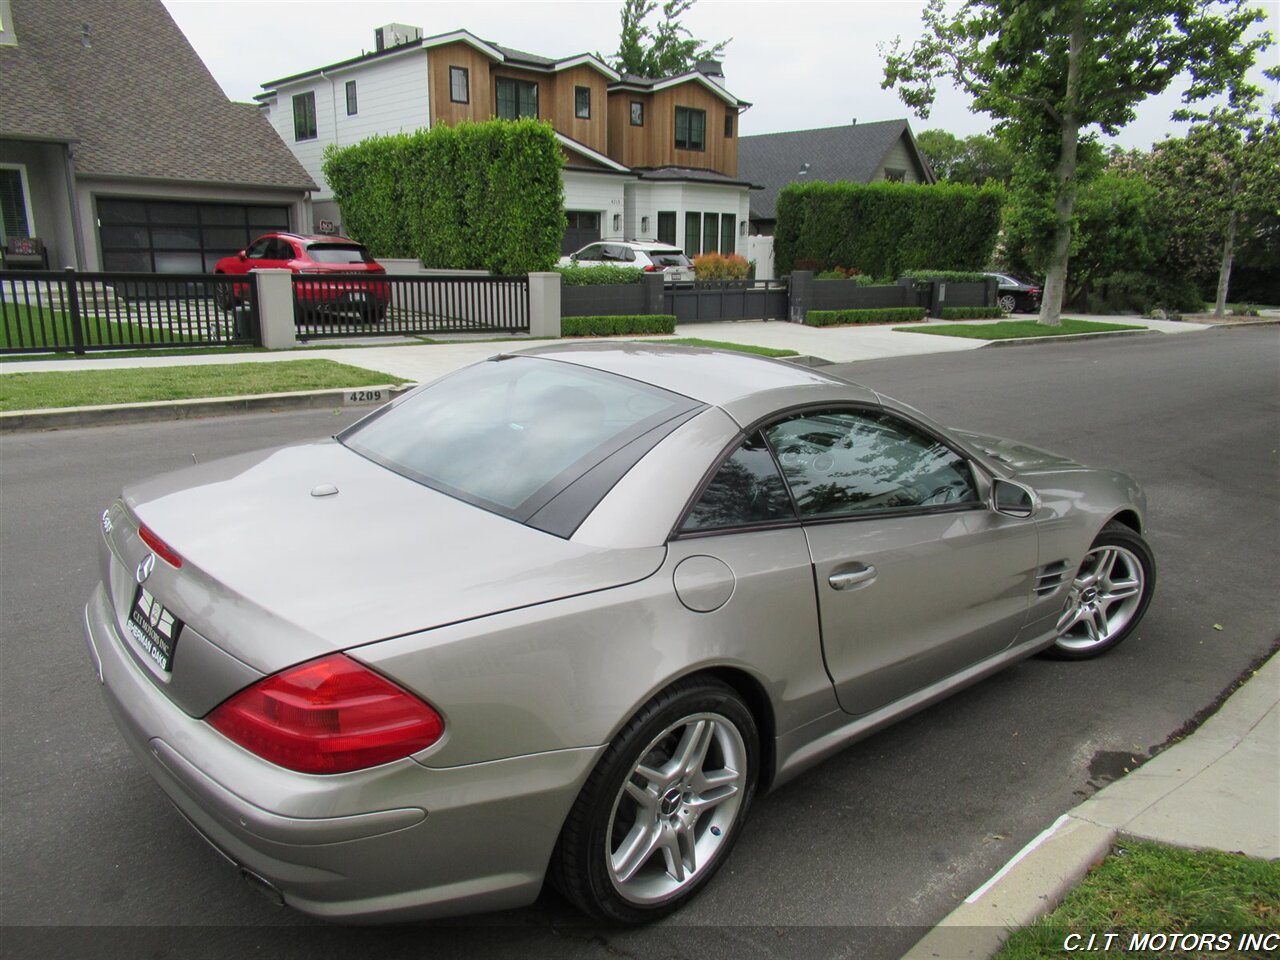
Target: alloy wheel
(676, 808)
(1105, 596)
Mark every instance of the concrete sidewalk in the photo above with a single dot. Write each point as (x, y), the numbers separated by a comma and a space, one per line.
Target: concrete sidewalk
(1217, 789)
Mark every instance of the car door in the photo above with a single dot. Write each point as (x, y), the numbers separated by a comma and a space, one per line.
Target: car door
(916, 577)
(740, 566)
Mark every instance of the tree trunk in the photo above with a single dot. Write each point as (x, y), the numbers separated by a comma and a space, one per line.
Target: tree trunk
(1228, 254)
(1065, 198)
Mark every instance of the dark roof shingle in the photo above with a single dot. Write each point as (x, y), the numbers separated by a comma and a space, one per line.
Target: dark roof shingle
(854, 152)
(141, 101)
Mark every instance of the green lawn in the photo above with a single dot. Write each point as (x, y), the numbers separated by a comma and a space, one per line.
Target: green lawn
(25, 326)
(78, 388)
(1147, 888)
(1016, 329)
(722, 345)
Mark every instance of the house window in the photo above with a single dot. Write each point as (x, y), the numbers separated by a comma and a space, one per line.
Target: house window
(517, 98)
(710, 232)
(637, 113)
(351, 98)
(692, 234)
(15, 216)
(667, 227)
(728, 125)
(459, 85)
(691, 129)
(727, 234)
(644, 226)
(304, 116)
(582, 103)
(894, 175)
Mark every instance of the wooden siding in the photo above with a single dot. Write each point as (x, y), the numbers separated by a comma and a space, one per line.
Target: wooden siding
(900, 158)
(445, 111)
(557, 105)
(653, 145)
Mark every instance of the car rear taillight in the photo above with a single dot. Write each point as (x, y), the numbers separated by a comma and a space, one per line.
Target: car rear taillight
(161, 549)
(652, 268)
(331, 715)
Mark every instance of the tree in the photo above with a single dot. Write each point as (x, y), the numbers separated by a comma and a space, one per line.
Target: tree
(1118, 228)
(973, 160)
(667, 49)
(1233, 158)
(1051, 72)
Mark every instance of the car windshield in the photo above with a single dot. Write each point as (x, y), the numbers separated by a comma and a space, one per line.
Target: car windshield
(339, 253)
(669, 258)
(510, 433)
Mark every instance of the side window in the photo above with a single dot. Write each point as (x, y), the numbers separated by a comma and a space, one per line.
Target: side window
(746, 490)
(281, 250)
(258, 251)
(847, 462)
(591, 253)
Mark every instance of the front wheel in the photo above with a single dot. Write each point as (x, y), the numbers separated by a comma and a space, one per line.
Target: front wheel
(1007, 302)
(1108, 596)
(666, 802)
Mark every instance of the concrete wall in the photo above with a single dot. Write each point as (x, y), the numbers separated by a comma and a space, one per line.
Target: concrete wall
(760, 250)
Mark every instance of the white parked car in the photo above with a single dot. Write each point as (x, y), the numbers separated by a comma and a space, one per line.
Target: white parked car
(650, 257)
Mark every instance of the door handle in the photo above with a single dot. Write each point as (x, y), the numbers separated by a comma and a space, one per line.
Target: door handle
(852, 576)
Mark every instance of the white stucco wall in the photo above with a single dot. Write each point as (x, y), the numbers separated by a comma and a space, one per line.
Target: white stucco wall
(601, 192)
(647, 198)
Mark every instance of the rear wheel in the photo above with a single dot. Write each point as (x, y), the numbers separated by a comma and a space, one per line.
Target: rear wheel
(222, 297)
(1109, 594)
(665, 804)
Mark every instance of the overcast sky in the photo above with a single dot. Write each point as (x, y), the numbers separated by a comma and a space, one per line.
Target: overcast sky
(802, 63)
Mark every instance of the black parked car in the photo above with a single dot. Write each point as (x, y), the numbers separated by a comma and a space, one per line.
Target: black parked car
(1017, 295)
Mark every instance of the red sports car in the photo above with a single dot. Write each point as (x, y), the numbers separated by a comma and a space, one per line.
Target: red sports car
(341, 294)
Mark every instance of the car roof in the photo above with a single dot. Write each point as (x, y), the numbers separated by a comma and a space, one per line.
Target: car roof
(311, 237)
(714, 377)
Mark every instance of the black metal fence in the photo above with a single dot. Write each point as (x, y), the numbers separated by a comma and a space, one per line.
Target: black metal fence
(701, 301)
(361, 305)
(74, 312)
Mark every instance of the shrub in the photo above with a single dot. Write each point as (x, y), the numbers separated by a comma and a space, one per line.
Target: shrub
(840, 273)
(834, 318)
(618, 326)
(971, 313)
(886, 228)
(576, 276)
(714, 266)
(945, 276)
(485, 196)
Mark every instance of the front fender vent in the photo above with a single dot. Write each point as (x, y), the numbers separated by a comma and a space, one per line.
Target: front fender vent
(1051, 577)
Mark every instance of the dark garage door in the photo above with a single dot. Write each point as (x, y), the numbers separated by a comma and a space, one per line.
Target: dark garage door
(584, 228)
(167, 236)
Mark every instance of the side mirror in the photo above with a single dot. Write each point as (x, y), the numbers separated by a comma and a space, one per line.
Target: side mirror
(241, 255)
(1013, 499)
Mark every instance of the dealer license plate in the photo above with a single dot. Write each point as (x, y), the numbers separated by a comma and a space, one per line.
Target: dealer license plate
(153, 628)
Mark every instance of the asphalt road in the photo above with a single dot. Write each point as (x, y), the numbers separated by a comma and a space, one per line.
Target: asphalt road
(854, 858)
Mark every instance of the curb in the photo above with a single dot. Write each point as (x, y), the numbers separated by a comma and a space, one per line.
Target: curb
(1139, 804)
(64, 417)
(1027, 341)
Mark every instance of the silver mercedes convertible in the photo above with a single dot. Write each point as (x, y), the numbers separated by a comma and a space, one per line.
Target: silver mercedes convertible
(562, 615)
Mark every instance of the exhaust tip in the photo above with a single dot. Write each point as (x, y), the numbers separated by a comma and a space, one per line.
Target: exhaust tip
(263, 886)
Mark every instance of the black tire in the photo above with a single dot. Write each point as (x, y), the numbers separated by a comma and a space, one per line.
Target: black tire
(1083, 635)
(585, 866)
(222, 297)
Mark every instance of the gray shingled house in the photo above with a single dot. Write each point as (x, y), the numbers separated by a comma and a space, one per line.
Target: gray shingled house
(860, 153)
(118, 149)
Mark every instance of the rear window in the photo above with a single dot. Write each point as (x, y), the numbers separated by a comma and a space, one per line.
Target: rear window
(338, 253)
(511, 433)
(667, 258)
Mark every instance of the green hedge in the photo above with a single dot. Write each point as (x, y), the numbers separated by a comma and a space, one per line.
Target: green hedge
(619, 326)
(886, 228)
(857, 279)
(594, 276)
(476, 196)
(945, 276)
(834, 318)
(971, 313)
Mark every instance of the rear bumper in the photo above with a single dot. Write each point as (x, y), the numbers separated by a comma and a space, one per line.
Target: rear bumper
(394, 842)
